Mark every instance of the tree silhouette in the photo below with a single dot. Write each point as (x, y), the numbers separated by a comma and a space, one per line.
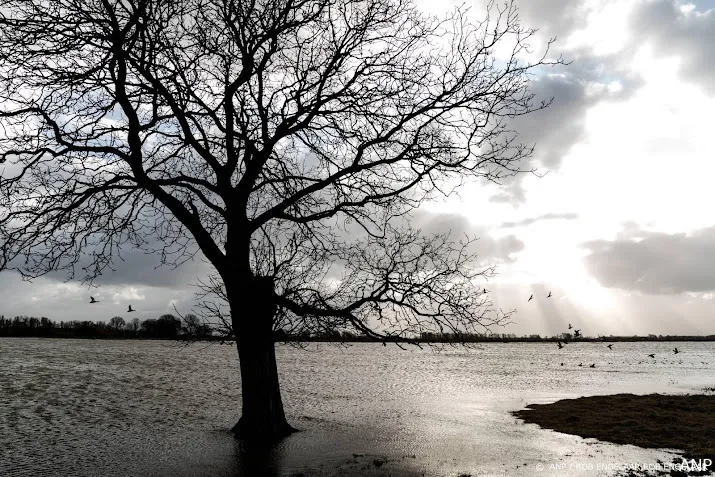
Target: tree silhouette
(117, 323)
(286, 141)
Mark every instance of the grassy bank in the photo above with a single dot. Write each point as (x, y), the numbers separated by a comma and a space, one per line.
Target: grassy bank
(685, 422)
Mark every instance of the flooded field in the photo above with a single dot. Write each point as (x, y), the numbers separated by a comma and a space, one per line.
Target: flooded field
(149, 408)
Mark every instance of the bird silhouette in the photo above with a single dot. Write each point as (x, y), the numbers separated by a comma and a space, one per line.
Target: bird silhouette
(532, 296)
(485, 290)
(610, 346)
(549, 295)
(560, 345)
(92, 300)
(652, 355)
(562, 364)
(593, 365)
(580, 364)
(577, 333)
(570, 326)
(675, 350)
(130, 309)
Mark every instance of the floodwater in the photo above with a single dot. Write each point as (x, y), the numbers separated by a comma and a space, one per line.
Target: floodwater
(150, 408)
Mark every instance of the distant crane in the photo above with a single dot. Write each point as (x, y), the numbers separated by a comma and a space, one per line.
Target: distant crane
(92, 300)
(130, 309)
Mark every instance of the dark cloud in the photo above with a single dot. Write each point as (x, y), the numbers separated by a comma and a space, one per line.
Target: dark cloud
(139, 268)
(136, 267)
(490, 249)
(687, 35)
(531, 220)
(655, 263)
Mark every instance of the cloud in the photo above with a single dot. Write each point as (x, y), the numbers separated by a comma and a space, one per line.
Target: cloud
(555, 18)
(677, 30)
(531, 220)
(139, 268)
(70, 301)
(575, 88)
(132, 266)
(655, 262)
(490, 249)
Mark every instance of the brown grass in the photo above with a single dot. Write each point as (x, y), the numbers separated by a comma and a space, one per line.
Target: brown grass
(654, 421)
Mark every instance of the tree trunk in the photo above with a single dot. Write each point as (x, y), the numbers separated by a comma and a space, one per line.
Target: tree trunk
(262, 416)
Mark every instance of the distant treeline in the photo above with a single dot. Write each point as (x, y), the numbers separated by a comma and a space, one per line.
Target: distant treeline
(164, 327)
(346, 336)
(192, 328)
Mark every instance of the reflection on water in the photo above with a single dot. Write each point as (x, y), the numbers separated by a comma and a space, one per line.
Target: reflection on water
(86, 408)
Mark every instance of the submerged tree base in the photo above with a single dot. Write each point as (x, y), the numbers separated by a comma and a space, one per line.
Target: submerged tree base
(684, 422)
(264, 434)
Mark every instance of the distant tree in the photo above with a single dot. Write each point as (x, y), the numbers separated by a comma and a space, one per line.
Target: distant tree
(117, 323)
(149, 328)
(192, 325)
(281, 138)
(168, 326)
(133, 325)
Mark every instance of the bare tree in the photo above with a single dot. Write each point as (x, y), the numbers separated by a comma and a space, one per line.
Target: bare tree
(286, 141)
(133, 325)
(194, 328)
(117, 323)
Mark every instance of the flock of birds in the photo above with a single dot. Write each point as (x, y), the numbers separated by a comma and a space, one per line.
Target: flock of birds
(93, 301)
(577, 333)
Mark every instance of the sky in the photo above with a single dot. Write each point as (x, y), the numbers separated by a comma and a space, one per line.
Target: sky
(619, 229)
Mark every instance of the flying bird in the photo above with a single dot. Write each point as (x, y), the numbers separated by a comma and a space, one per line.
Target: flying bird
(532, 296)
(560, 345)
(570, 326)
(130, 309)
(580, 364)
(610, 346)
(652, 355)
(675, 350)
(92, 300)
(485, 290)
(562, 364)
(577, 333)
(593, 365)
(549, 295)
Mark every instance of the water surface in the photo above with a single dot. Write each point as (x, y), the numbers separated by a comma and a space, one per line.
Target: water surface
(111, 408)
